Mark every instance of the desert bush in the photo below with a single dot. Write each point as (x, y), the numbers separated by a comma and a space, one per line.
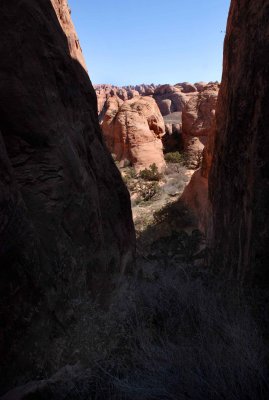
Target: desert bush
(192, 342)
(194, 160)
(129, 176)
(176, 215)
(179, 247)
(150, 174)
(186, 335)
(173, 168)
(183, 336)
(147, 190)
(198, 158)
(174, 157)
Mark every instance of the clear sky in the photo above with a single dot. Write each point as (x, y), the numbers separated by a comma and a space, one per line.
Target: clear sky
(151, 41)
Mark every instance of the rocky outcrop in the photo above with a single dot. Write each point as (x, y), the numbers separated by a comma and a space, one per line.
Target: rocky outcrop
(105, 92)
(239, 180)
(169, 98)
(198, 102)
(186, 87)
(64, 17)
(198, 118)
(65, 217)
(198, 115)
(195, 195)
(133, 130)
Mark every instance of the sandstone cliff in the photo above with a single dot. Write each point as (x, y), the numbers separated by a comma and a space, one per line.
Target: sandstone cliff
(239, 180)
(133, 130)
(65, 217)
(198, 118)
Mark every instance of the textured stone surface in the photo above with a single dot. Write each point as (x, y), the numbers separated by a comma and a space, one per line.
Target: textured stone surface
(170, 98)
(239, 181)
(133, 131)
(199, 113)
(68, 383)
(187, 87)
(64, 17)
(198, 118)
(65, 218)
(195, 195)
(105, 92)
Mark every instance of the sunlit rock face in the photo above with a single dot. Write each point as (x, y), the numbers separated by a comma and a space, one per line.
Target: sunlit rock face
(64, 17)
(195, 195)
(65, 217)
(198, 118)
(133, 130)
(199, 130)
(239, 180)
(196, 102)
(105, 92)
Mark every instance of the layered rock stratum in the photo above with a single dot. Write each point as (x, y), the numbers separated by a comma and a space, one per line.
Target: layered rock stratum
(65, 216)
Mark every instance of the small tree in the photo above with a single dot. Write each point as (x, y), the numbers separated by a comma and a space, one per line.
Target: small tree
(147, 190)
(174, 157)
(150, 174)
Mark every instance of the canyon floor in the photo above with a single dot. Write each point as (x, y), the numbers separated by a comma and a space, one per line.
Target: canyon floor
(156, 206)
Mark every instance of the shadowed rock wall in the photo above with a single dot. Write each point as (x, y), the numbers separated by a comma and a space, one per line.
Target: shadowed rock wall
(239, 179)
(65, 216)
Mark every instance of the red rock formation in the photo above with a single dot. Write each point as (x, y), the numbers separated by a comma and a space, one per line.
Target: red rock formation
(59, 239)
(239, 181)
(195, 195)
(133, 131)
(169, 98)
(64, 17)
(104, 92)
(187, 87)
(199, 113)
(198, 118)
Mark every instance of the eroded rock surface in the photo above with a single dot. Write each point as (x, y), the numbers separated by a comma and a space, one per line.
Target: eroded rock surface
(198, 118)
(195, 195)
(133, 130)
(239, 181)
(65, 217)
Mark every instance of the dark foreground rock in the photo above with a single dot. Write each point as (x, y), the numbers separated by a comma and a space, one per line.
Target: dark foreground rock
(65, 217)
(239, 181)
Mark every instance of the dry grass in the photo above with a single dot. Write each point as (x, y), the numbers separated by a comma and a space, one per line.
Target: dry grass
(172, 333)
(186, 336)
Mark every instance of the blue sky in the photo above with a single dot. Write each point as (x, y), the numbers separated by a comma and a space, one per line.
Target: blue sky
(151, 41)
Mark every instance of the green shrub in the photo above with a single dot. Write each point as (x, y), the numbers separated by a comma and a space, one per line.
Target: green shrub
(129, 176)
(174, 157)
(150, 174)
(147, 190)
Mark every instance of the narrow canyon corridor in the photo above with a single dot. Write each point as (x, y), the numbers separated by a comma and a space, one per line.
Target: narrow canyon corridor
(134, 219)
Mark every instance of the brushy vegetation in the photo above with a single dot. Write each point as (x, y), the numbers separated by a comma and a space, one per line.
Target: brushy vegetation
(147, 190)
(129, 175)
(192, 161)
(173, 333)
(144, 184)
(150, 174)
(174, 157)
